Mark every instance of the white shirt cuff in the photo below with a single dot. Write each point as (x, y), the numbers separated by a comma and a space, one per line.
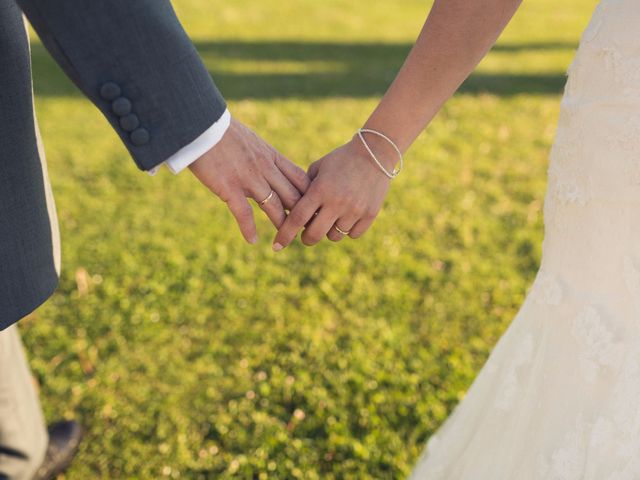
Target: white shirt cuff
(191, 152)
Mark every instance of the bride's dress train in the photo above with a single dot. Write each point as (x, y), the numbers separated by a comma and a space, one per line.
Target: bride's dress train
(559, 396)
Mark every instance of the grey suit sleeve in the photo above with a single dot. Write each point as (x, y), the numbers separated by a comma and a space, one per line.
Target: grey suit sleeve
(134, 61)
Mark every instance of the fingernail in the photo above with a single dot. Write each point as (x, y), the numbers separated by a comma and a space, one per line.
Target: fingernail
(277, 247)
(254, 240)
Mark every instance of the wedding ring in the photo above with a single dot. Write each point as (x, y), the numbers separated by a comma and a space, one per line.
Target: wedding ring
(343, 232)
(266, 200)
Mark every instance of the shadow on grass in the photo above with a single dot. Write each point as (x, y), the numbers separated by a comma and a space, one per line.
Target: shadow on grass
(338, 70)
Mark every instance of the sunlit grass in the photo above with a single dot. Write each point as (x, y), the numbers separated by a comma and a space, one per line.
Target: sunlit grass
(187, 353)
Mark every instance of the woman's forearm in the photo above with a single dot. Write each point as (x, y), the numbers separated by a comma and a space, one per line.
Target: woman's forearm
(455, 37)
(347, 189)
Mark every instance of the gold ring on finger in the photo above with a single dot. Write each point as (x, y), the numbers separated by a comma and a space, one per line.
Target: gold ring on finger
(339, 230)
(266, 200)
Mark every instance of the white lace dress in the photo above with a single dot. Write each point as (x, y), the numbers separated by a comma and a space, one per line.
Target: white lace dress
(559, 396)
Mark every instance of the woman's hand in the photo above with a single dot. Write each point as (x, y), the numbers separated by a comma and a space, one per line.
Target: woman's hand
(347, 192)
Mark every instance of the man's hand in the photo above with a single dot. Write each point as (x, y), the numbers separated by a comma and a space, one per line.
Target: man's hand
(346, 193)
(243, 165)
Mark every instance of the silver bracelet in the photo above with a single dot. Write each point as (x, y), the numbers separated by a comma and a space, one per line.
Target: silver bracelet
(389, 174)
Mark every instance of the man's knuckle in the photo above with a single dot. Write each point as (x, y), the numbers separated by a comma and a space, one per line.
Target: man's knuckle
(265, 161)
(253, 161)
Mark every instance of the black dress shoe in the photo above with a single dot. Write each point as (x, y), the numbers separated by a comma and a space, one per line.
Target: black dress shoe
(64, 439)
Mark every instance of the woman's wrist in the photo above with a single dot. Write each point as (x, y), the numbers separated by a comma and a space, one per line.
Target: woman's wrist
(383, 150)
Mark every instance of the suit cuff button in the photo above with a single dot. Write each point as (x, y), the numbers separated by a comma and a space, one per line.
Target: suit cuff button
(129, 122)
(110, 91)
(121, 106)
(140, 137)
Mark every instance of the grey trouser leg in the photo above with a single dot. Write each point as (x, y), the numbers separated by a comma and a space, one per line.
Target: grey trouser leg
(23, 433)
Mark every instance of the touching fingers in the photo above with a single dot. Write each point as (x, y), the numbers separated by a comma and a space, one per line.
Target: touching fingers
(270, 203)
(296, 220)
(243, 214)
(297, 176)
(288, 193)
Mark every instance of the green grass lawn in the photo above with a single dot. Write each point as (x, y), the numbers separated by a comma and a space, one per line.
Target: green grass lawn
(188, 354)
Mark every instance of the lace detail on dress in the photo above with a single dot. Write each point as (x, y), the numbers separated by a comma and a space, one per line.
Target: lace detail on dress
(627, 142)
(596, 342)
(569, 184)
(627, 393)
(629, 138)
(625, 70)
(546, 289)
(570, 134)
(509, 388)
(602, 434)
(616, 432)
(567, 461)
(632, 279)
(559, 396)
